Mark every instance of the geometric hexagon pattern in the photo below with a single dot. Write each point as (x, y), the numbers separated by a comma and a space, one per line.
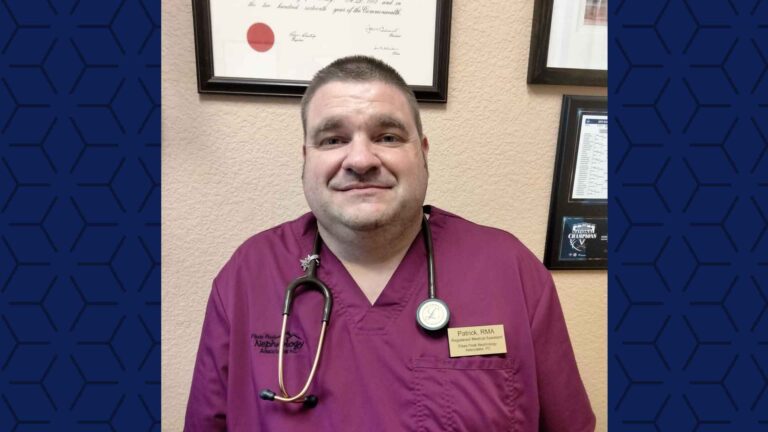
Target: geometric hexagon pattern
(79, 215)
(688, 163)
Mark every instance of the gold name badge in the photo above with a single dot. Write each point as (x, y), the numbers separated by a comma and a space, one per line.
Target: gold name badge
(478, 340)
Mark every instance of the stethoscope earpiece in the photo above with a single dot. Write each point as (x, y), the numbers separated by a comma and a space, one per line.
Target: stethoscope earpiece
(267, 395)
(310, 401)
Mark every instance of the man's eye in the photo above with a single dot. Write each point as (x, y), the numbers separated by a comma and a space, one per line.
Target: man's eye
(331, 141)
(389, 138)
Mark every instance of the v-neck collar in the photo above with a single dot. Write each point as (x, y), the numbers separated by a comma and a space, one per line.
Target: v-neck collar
(409, 278)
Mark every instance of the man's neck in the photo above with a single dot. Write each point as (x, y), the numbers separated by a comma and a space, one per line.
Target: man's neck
(371, 257)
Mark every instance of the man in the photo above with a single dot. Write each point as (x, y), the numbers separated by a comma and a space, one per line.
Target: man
(365, 179)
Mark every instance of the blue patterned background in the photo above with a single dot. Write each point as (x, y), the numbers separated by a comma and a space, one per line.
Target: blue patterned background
(688, 278)
(79, 215)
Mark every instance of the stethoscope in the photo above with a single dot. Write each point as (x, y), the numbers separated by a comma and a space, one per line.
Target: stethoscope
(432, 315)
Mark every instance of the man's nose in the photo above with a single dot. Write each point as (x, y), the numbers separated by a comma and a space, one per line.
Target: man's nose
(361, 156)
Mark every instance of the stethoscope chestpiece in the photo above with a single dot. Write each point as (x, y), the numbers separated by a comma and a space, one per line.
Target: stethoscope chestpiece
(433, 314)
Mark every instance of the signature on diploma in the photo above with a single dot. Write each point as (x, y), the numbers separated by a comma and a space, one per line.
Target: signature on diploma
(301, 36)
(391, 32)
(389, 49)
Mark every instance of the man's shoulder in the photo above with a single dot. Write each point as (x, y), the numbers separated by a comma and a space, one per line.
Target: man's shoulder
(469, 233)
(285, 235)
(466, 242)
(484, 243)
(273, 245)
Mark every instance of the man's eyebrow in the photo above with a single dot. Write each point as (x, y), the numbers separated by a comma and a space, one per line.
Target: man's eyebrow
(388, 122)
(383, 121)
(330, 123)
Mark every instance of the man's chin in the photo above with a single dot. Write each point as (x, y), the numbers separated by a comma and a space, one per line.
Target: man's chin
(365, 217)
(364, 221)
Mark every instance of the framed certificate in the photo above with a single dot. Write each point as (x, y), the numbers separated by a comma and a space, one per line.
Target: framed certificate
(577, 232)
(569, 43)
(274, 47)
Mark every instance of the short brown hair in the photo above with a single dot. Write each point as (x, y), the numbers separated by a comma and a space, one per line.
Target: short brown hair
(361, 69)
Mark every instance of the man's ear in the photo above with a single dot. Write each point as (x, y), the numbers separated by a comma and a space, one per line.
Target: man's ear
(425, 145)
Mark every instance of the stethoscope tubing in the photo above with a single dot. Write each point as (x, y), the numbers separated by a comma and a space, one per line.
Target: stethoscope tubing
(299, 397)
(309, 279)
(430, 256)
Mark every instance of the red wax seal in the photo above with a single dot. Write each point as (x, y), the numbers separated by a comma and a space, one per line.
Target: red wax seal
(260, 37)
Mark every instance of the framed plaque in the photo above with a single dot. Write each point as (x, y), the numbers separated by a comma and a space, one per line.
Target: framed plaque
(569, 43)
(577, 232)
(274, 47)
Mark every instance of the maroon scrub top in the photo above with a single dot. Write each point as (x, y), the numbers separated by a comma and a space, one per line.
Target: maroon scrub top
(378, 370)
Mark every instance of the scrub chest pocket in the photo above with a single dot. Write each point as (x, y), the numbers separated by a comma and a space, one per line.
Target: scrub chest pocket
(465, 394)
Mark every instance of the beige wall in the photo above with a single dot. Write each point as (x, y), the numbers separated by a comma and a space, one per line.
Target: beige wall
(231, 168)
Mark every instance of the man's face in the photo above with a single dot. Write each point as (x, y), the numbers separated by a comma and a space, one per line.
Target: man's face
(364, 162)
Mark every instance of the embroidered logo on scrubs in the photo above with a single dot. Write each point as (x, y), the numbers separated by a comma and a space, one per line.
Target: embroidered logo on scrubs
(269, 343)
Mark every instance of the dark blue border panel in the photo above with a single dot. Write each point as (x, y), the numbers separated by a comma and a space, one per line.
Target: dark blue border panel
(79, 215)
(688, 277)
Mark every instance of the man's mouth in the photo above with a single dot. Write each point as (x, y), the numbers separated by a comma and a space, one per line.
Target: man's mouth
(361, 186)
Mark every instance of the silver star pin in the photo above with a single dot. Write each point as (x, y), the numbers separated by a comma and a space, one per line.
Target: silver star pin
(305, 262)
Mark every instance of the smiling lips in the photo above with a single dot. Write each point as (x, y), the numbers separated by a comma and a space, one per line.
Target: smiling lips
(361, 186)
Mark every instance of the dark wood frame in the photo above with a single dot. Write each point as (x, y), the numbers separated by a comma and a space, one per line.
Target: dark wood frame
(538, 72)
(561, 205)
(208, 83)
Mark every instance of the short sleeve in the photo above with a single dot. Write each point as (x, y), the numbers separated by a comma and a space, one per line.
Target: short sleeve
(563, 400)
(207, 405)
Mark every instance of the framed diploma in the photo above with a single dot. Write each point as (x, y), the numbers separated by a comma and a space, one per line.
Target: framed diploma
(569, 43)
(577, 232)
(274, 47)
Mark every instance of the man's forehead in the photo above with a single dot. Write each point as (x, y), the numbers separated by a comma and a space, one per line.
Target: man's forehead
(351, 100)
(349, 94)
